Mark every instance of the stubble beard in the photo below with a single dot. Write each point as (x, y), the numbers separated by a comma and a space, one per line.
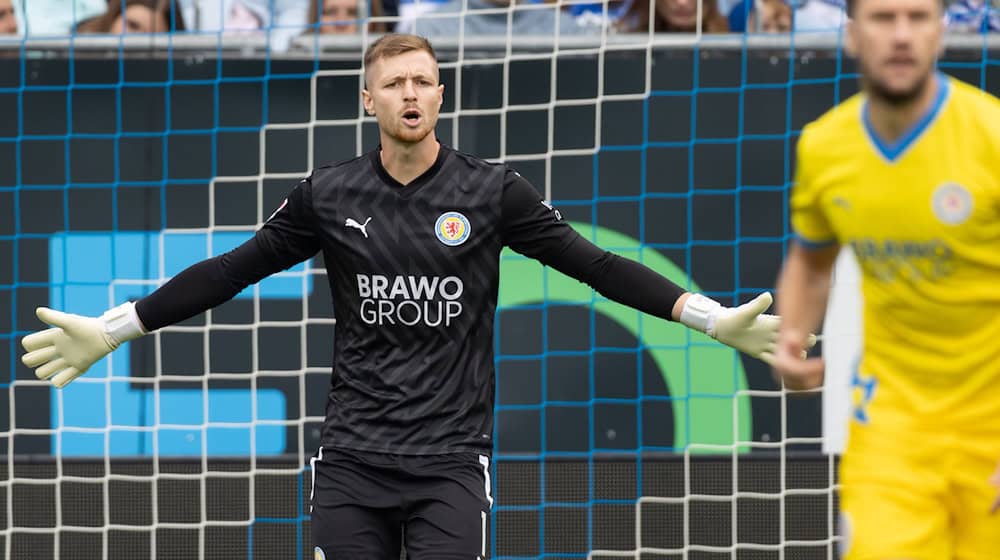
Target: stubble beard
(896, 98)
(401, 133)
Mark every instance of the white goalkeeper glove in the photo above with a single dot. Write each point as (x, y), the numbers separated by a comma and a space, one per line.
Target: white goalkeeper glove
(745, 328)
(74, 342)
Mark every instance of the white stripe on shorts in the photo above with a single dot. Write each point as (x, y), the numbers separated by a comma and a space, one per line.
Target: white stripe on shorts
(485, 462)
(483, 538)
(312, 467)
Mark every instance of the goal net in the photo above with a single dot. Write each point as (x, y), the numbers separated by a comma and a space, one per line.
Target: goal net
(125, 159)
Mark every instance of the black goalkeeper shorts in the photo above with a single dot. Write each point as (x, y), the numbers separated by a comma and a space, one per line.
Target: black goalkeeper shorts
(368, 506)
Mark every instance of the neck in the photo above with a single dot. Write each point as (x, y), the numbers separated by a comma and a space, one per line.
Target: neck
(406, 162)
(891, 120)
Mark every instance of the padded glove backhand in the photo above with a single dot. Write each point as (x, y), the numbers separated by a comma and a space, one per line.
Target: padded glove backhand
(68, 349)
(746, 328)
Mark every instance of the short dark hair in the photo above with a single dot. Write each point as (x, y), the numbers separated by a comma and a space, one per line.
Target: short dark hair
(852, 5)
(395, 44)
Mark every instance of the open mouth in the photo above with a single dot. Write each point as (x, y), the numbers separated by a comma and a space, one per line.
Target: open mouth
(411, 117)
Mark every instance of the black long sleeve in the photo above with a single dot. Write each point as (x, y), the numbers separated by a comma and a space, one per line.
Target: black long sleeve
(205, 285)
(535, 229)
(287, 238)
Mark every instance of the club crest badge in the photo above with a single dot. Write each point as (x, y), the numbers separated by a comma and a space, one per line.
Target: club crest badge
(952, 203)
(452, 229)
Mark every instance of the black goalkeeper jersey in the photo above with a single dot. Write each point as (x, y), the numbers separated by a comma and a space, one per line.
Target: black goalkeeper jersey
(414, 272)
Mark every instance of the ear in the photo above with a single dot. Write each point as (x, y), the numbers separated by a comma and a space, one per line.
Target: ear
(440, 95)
(366, 100)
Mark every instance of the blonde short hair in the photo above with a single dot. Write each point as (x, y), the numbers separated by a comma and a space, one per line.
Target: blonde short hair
(395, 44)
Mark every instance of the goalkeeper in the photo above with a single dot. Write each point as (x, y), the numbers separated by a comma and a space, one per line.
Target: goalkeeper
(411, 234)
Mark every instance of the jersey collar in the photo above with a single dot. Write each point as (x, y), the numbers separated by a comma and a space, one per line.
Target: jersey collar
(419, 181)
(892, 151)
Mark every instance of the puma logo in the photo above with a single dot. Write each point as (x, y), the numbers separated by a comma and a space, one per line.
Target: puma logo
(351, 222)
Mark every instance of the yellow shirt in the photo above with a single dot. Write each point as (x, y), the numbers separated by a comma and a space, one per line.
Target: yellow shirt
(923, 218)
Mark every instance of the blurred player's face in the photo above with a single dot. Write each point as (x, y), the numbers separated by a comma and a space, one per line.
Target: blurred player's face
(340, 16)
(8, 23)
(140, 19)
(896, 43)
(404, 95)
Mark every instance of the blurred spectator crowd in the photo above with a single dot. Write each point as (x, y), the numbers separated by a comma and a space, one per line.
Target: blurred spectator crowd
(286, 19)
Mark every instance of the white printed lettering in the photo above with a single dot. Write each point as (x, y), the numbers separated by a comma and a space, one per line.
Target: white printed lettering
(364, 286)
(399, 288)
(416, 313)
(385, 309)
(410, 300)
(379, 284)
(423, 287)
(456, 291)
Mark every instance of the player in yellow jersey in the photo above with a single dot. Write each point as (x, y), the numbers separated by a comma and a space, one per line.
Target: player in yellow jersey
(907, 173)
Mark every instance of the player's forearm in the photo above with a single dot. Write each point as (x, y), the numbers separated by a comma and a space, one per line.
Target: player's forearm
(619, 279)
(640, 287)
(803, 288)
(194, 290)
(204, 285)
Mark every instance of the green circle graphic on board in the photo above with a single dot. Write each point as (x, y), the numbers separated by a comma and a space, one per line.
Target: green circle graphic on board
(706, 379)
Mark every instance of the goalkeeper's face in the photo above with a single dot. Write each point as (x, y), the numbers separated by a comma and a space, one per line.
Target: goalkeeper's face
(897, 43)
(404, 95)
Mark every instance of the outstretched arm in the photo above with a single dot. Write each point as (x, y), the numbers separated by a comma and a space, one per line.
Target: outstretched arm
(533, 228)
(74, 342)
